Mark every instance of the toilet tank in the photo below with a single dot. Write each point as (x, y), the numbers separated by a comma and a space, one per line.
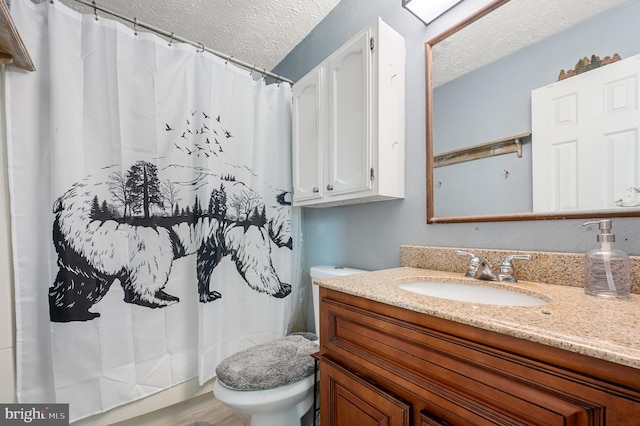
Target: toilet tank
(325, 272)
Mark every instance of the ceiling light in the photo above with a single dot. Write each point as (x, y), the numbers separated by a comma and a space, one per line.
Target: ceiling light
(428, 10)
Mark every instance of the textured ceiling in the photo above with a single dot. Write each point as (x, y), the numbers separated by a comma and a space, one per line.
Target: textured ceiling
(261, 33)
(513, 26)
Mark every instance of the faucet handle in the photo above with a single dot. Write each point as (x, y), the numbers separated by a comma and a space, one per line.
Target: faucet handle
(506, 267)
(473, 259)
(475, 262)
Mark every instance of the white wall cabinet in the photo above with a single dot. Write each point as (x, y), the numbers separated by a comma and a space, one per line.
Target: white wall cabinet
(349, 121)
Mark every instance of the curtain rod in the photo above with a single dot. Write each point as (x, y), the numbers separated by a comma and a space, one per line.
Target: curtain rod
(172, 37)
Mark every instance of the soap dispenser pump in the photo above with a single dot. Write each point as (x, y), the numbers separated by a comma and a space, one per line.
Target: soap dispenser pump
(607, 270)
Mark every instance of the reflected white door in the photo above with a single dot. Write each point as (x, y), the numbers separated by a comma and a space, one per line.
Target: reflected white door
(585, 140)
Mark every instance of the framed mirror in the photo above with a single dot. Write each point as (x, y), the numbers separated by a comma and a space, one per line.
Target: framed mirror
(480, 75)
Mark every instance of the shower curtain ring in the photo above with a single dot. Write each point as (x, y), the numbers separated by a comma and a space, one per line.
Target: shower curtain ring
(95, 10)
(170, 39)
(228, 59)
(201, 47)
(135, 26)
(252, 70)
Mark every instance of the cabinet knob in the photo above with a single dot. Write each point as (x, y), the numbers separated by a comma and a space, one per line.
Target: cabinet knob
(316, 189)
(330, 187)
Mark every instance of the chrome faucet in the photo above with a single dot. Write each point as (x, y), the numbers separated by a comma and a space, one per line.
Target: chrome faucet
(479, 268)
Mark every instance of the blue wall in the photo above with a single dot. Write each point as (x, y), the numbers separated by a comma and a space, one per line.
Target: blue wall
(369, 236)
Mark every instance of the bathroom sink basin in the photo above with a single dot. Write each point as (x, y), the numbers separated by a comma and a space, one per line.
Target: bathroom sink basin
(473, 293)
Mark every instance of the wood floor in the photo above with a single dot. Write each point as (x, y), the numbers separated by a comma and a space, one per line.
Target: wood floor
(204, 410)
(213, 414)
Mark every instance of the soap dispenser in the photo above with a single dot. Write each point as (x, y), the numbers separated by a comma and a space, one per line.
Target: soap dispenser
(607, 270)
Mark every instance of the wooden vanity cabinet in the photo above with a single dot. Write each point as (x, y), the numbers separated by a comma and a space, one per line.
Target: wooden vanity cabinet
(384, 365)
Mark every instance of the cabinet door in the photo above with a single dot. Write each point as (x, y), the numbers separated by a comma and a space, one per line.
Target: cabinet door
(307, 152)
(349, 138)
(348, 400)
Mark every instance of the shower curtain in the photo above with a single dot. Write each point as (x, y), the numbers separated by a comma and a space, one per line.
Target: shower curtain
(152, 228)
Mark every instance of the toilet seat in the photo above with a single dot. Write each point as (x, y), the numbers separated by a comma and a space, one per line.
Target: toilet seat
(271, 400)
(269, 365)
(285, 404)
(246, 380)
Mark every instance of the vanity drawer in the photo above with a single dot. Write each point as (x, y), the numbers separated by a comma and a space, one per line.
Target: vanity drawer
(350, 400)
(458, 380)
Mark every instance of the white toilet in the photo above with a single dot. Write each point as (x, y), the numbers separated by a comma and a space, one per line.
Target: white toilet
(285, 404)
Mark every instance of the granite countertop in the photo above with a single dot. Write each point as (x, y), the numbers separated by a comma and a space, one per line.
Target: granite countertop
(608, 329)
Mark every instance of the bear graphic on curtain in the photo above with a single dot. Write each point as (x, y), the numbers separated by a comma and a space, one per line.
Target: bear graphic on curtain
(150, 184)
(130, 225)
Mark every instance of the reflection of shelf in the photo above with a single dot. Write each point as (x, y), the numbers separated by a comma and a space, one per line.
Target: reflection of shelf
(487, 149)
(12, 49)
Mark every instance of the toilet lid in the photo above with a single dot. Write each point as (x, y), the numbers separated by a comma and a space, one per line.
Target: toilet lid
(269, 365)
